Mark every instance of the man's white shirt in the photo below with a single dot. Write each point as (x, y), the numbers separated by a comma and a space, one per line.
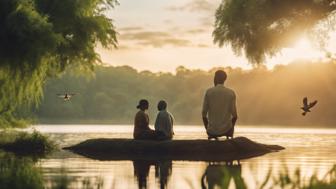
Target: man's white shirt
(219, 106)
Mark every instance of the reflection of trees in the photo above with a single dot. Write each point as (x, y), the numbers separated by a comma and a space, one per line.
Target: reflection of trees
(24, 173)
(220, 175)
(163, 170)
(18, 173)
(65, 181)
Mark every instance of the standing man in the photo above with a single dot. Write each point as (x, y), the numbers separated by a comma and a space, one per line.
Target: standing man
(219, 108)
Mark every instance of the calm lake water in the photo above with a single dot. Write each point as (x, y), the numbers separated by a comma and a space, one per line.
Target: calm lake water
(311, 150)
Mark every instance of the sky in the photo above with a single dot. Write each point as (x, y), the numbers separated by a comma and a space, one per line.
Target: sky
(160, 35)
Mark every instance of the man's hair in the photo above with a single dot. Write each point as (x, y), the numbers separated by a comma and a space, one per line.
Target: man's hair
(220, 77)
(162, 105)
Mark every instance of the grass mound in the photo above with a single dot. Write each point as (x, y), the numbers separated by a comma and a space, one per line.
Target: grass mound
(24, 143)
(192, 150)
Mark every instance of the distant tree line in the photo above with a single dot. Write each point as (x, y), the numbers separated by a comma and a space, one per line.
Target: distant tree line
(264, 97)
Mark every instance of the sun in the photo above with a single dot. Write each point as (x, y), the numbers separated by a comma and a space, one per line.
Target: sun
(303, 44)
(303, 49)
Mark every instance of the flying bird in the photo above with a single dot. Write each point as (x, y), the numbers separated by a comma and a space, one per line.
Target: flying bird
(306, 107)
(66, 96)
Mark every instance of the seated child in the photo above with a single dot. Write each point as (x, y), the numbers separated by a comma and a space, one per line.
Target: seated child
(164, 121)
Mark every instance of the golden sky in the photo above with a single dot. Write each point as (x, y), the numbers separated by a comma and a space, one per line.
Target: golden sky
(160, 35)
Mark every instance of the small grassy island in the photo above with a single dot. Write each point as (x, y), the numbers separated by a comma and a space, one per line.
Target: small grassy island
(26, 144)
(192, 150)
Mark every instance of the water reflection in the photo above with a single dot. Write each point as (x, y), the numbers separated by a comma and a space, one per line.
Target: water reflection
(163, 170)
(26, 173)
(65, 181)
(219, 175)
(19, 173)
(313, 157)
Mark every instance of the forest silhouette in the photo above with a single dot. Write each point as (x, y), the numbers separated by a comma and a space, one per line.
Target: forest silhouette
(264, 97)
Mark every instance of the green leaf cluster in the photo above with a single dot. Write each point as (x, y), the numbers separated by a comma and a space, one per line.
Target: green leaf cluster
(41, 38)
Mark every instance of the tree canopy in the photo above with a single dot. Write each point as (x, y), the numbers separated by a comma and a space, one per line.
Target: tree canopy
(260, 28)
(40, 38)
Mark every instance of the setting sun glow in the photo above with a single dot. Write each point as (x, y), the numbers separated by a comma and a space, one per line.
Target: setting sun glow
(303, 43)
(304, 49)
(164, 42)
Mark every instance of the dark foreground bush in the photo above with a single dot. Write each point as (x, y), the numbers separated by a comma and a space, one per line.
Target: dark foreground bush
(24, 143)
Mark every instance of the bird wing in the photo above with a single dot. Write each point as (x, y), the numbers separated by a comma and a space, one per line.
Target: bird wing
(305, 102)
(312, 104)
(71, 95)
